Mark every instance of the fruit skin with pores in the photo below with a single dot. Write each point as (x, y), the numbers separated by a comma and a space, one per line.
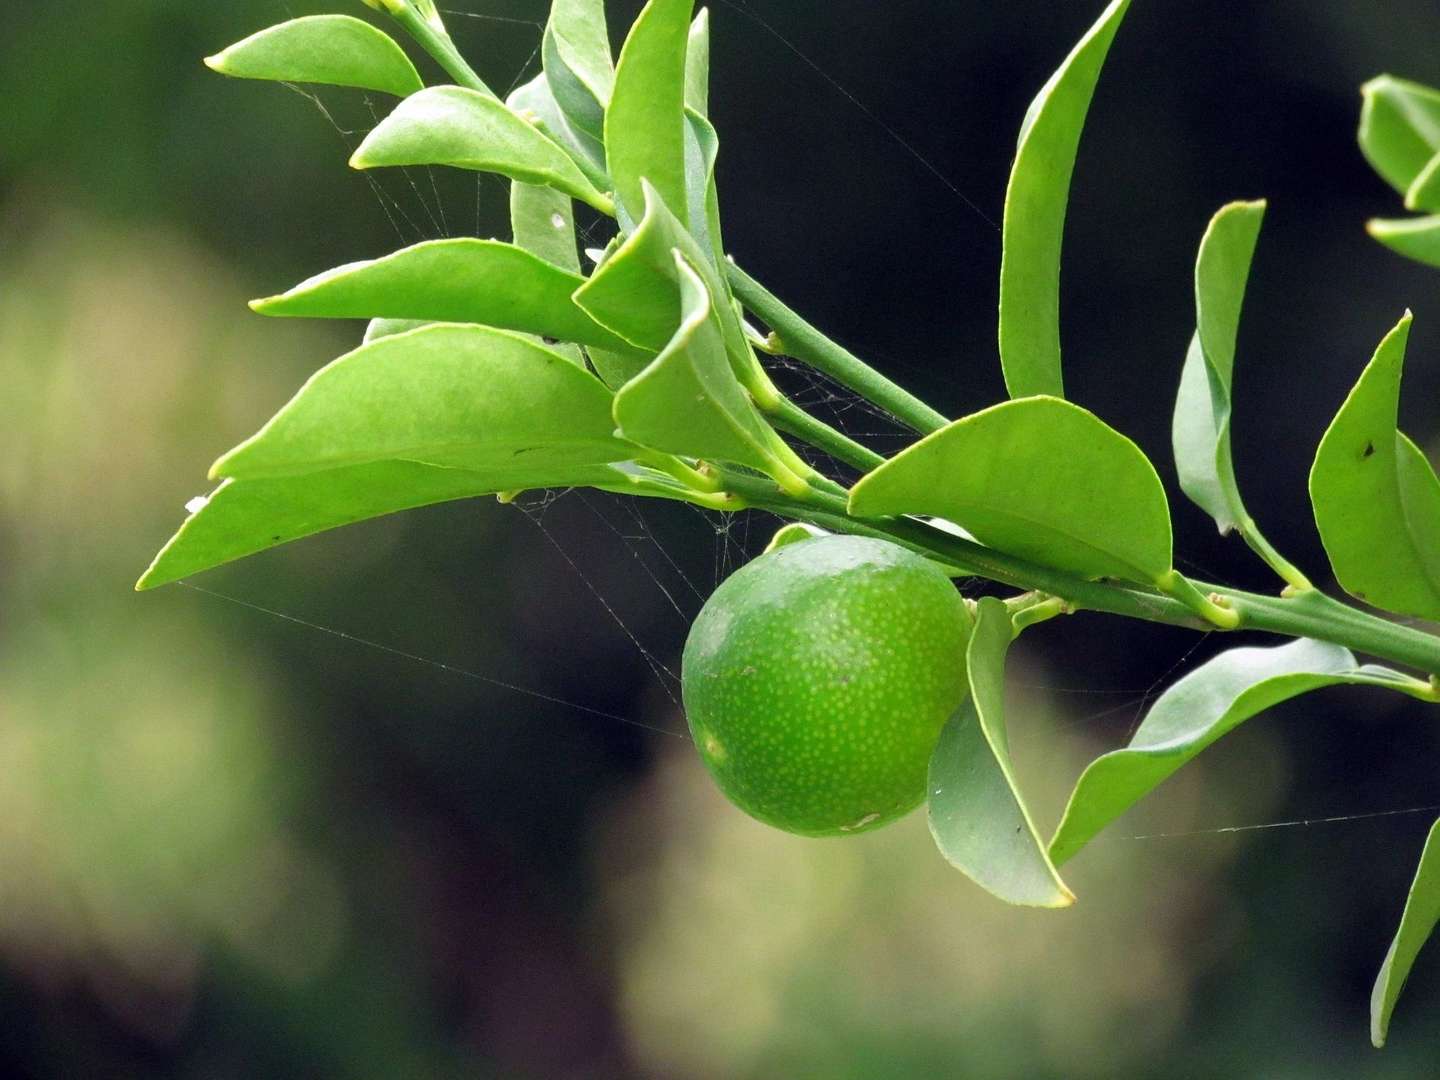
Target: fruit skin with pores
(816, 680)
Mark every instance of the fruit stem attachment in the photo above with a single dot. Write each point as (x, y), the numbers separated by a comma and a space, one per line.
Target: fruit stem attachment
(799, 339)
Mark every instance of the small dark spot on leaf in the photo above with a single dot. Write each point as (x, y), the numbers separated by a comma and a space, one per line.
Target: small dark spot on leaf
(1369, 449)
(550, 340)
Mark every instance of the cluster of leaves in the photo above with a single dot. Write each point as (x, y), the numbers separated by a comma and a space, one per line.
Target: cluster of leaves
(492, 366)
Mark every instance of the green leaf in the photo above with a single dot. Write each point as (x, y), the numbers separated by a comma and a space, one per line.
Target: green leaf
(1422, 914)
(332, 49)
(543, 223)
(575, 51)
(463, 396)
(1201, 432)
(1192, 714)
(243, 517)
(1415, 238)
(1376, 498)
(379, 328)
(450, 125)
(1034, 224)
(457, 280)
(697, 64)
(977, 815)
(645, 123)
(688, 400)
(1039, 478)
(1399, 129)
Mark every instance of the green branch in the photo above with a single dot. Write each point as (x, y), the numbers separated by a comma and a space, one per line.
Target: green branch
(1308, 614)
(801, 340)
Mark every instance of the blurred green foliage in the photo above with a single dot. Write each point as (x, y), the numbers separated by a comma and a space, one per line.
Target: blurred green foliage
(232, 845)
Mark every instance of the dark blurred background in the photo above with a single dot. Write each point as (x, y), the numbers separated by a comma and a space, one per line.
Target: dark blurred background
(238, 841)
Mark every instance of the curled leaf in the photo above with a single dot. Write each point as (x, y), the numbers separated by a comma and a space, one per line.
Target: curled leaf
(977, 815)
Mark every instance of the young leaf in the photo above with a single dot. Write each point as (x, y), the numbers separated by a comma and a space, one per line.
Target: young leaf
(1415, 238)
(1376, 498)
(543, 223)
(1039, 478)
(1422, 914)
(1192, 714)
(1034, 225)
(450, 125)
(457, 280)
(697, 64)
(688, 400)
(977, 815)
(575, 51)
(464, 396)
(645, 123)
(335, 50)
(1399, 129)
(243, 517)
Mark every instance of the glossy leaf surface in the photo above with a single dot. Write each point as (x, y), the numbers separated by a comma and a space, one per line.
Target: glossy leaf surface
(463, 396)
(1422, 914)
(243, 517)
(1194, 713)
(977, 815)
(1034, 225)
(335, 50)
(1415, 238)
(688, 400)
(1201, 431)
(450, 125)
(1399, 129)
(1376, 498)
(457, 280)
(645, 124)
(1036, 477)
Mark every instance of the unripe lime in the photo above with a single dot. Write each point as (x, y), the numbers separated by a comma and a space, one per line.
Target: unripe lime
(817, 679)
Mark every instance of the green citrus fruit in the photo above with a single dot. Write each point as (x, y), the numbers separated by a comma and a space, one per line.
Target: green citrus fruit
(817, 679)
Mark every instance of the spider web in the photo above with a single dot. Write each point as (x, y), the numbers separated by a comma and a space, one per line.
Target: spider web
(413, 205)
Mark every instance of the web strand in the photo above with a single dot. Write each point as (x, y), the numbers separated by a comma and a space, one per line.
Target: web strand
(450, 669)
